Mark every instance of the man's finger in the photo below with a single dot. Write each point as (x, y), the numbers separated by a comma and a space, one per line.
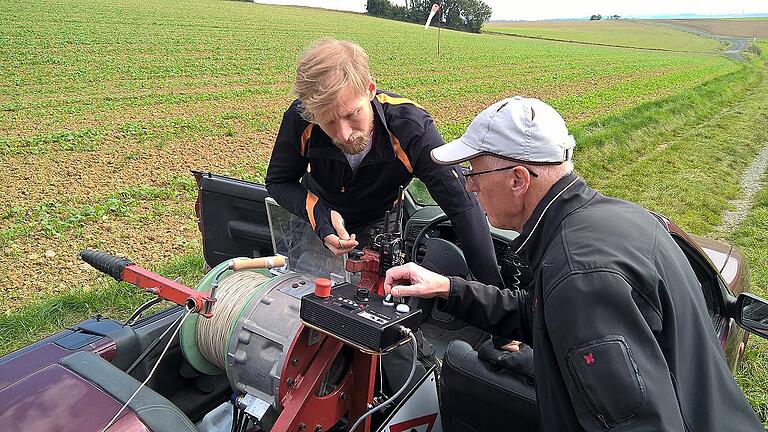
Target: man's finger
(347, 245)
(338, 224)
(332, 243)
(404, 290)
(395, 274)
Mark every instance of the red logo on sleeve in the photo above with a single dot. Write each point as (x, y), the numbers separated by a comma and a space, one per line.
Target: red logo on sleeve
(589, 359)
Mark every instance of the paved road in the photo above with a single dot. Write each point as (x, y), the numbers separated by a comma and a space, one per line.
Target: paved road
(736, 44)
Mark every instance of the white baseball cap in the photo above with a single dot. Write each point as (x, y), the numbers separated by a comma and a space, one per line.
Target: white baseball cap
(521, 129)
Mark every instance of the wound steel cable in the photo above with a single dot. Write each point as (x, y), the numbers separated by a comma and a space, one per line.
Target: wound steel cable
(233, 295)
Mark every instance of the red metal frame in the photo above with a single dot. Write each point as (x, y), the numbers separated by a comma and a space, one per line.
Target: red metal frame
(168, 289)
(370, 266)
(310, 357)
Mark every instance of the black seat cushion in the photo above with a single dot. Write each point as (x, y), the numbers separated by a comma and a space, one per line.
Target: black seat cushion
(155, 411)
(476, 398)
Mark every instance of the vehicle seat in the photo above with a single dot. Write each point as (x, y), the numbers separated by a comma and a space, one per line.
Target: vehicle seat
(476, 398)
(155, 411)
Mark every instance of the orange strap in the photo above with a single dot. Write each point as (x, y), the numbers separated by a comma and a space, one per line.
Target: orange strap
(305, 137)
(311, 202)
(401, 153)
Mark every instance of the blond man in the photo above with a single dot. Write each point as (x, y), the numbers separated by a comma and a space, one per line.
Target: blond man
(344, 148)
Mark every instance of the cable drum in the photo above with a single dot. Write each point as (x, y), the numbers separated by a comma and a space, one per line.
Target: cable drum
(234, 294)
(249, 337)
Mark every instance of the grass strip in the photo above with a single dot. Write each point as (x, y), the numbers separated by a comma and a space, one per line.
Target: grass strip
(751, 236)
(604, 142)
(692, 171)
(105, 296)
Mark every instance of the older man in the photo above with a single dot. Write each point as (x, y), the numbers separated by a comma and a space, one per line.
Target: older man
(616, 317)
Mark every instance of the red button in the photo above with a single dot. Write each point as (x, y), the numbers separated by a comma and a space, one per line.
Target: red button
(322, 287)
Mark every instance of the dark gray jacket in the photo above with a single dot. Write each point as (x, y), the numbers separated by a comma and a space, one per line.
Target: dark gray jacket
(617, 320)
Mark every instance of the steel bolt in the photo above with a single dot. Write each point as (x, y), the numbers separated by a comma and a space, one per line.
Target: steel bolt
(302, 426)
(343, 396)
(295, 361)
(318, 428)
(290, 382)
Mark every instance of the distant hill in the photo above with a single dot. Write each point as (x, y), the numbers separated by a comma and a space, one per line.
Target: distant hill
(698, 16)
(626, 33)
(648, 17)
(737, 27)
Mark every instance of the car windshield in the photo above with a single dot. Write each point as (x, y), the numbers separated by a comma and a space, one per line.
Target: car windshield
(293, 238)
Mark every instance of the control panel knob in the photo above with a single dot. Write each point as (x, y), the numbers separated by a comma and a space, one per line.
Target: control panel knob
(363, 294)
(403, 308)
(322, 287)
(388, 300)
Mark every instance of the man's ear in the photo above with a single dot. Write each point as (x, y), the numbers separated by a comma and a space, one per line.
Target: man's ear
(520, 180)
(371, 88)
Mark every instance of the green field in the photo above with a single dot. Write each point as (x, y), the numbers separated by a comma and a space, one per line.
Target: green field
(105, 106)
(632, 33)
(759, 52)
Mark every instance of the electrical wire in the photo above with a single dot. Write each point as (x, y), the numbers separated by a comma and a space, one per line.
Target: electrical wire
(180, 321)
(405, 331)
(235, 416)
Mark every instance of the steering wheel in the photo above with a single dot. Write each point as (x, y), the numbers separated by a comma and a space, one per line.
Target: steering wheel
(441, 256)
(422, 236)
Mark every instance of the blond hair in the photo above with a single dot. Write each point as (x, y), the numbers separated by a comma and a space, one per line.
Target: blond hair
(324, 70)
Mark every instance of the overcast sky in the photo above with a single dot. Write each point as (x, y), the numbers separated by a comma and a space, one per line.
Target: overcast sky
(549, 9)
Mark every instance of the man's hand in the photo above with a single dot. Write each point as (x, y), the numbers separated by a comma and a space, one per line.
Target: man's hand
(411, 280)
(341, 242)
(513, 346)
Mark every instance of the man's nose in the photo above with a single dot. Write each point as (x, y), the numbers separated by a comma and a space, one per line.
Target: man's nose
(344, 131)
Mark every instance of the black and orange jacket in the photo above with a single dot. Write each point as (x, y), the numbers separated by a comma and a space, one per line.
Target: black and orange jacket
(310, 176)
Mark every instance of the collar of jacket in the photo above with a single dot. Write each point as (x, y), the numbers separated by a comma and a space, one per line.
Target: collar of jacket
(571, 200)
(381, 145)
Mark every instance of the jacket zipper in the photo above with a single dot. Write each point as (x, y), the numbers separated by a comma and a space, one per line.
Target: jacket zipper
(588, 399)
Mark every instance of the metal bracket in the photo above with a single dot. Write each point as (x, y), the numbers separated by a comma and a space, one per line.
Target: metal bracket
(254, 406)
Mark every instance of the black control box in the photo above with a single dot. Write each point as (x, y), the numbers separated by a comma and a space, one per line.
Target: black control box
(356, 315)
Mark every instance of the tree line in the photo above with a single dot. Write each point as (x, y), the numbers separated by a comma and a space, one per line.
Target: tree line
(463, 15)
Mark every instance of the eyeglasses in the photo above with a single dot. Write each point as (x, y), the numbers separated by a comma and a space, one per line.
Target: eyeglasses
(468, 173)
